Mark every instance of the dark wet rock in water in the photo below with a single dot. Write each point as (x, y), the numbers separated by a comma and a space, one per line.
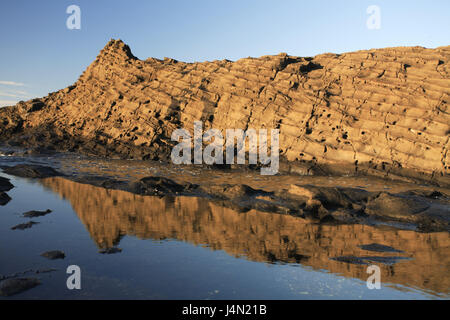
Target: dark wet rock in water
(11, 287)
(329, 198)
(350, 259)
(113, 184)
(435, 219)
(103, 182)
(34, 213)
(385, 260)
(325, 204)
(345, 216)
(395, 206)
(54, 254)
(356, 205)
(4, 198)
(434, 194)
(5, 185)
(298, 257)
(41, 151)
(110, 250)
(20, 274)
(229, 191)
(31, 171)
(355, 195)
(428, 211)
(45, 270)
(160, 186)
(378, 248)
(24, 226)
(369, 260)
(243, 198)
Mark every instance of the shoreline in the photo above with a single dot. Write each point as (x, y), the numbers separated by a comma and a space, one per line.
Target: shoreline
(112, 218)
(324, 199)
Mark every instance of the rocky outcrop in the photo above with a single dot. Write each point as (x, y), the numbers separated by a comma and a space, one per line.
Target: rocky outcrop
(426, 210)
(381, 112)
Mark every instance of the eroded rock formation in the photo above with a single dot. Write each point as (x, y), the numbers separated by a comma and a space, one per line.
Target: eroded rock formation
(382, 112)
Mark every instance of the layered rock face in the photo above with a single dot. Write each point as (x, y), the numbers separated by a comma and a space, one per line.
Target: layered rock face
(382, 112)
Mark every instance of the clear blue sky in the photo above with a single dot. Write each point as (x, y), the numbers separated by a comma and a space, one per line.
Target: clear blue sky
(39, 54)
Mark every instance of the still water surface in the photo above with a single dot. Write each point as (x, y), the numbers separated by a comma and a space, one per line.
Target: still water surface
(192, 248)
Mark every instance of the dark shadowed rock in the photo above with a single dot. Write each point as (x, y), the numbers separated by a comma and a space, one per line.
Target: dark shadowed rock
(354, 194)
(104, 182)
(378, 248)
(242, 198)
(345, 216)
(159, 186)
(41, 151)
(385, 260)
(229, 191)
(327, 197)
(11, 287)
(4, 198)
(31, 171)
(395, 206)
(350, 259)
(5, 185)
(45, 270)
(54, 254)
(434, 194)
(36, 105)
(23, 273)
(326, 204)
(34, 214)
(370, 260)
(434, 219)
(110, 250)
(24, 226)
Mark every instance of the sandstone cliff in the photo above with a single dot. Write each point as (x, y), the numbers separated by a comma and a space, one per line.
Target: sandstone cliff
(382, 112)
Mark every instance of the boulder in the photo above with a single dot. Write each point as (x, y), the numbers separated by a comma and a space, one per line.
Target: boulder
(5, 185)
(11, 287)
(31, 171)
(54, 254)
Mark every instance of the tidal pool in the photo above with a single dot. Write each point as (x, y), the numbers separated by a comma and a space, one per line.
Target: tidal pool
(194, 248)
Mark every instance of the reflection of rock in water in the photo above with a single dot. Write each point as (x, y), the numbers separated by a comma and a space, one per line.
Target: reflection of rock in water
(110, 214)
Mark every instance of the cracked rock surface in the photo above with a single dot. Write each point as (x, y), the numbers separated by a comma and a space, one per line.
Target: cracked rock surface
(381, 112)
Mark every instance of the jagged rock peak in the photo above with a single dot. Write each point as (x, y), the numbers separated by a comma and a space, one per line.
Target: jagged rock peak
(116, 48)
